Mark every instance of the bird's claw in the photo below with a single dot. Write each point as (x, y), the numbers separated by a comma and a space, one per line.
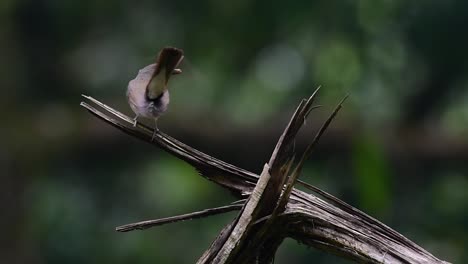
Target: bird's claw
(155, 131)
(176, 71)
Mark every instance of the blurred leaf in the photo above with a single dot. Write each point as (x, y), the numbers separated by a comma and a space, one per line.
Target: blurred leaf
(375, 15)
(338, 64)
(372, 176)
(450, 196)
(170, 183)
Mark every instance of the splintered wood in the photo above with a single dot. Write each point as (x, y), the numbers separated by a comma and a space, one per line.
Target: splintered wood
(270, 208)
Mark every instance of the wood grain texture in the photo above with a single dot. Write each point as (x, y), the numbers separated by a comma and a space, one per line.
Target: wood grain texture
(317, 219)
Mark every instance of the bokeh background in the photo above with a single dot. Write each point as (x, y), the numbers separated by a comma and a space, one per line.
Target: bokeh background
(398, 150)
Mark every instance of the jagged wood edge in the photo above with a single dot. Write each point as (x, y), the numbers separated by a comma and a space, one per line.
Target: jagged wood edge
(264, 237)
(261, 243)
(246, 243)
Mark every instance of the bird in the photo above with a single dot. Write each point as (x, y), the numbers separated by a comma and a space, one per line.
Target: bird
(148, 94)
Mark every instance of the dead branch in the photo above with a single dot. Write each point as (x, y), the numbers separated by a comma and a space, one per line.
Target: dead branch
(274, 209)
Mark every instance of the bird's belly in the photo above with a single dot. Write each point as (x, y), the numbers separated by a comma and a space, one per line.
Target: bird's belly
(146, 108)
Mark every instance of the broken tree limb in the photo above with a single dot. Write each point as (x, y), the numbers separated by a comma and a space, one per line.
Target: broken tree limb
(258, 244)
(316, 219)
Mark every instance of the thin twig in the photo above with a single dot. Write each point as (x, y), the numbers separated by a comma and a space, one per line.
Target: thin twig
(157, 222)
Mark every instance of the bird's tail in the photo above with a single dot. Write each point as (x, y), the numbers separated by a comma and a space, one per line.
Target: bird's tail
(166, 65)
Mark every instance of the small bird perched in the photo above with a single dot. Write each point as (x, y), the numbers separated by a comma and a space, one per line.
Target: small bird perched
(147, 93)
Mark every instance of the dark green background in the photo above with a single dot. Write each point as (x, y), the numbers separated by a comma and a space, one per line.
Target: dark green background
(398, 150)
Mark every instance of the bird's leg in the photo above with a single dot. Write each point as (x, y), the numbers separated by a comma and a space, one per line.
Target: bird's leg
(156, 129)
(135, 121)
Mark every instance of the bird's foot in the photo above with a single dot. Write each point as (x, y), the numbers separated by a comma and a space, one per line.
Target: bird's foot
(135, 121)
(155, 131)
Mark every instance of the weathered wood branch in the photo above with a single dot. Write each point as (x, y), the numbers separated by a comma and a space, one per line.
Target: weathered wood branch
(274, 209)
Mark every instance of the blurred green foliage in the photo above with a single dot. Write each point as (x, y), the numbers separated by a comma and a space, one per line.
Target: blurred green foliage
(372, 176)
(398, 150)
